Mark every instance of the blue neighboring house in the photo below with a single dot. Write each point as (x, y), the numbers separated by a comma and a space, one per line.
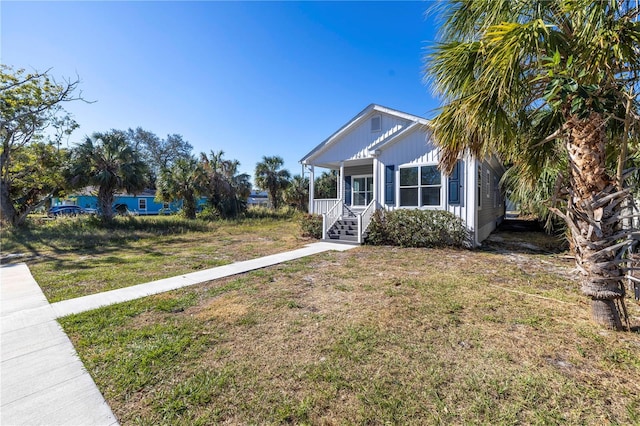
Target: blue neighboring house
(141, 204)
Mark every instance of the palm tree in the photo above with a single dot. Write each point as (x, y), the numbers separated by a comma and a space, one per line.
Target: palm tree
(228, 190)
(326, 185)
(297, 193)
(270, 177)
(185, 180)
(107, 161)
(241, 184)
(542, 83)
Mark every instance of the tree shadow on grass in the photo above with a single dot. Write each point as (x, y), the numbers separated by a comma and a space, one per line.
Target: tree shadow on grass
(45, 238)
(524, 237)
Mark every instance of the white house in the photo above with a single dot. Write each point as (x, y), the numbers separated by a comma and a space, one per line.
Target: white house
(387, 159)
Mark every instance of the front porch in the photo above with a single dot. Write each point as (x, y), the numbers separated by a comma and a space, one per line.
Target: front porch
(348, 216)
(345, 224)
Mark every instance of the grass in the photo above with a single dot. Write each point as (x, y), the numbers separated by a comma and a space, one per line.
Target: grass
(72, 257)
(375, 335)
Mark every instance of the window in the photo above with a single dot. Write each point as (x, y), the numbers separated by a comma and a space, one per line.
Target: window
(362, 190)
(376, 123)
(420, 186)
(479, 185)
(488, 183)
(142, 204)
(165, 205)
(409, 186)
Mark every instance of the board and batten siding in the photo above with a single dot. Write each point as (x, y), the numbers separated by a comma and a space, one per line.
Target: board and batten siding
(417, 149)
(356, 143)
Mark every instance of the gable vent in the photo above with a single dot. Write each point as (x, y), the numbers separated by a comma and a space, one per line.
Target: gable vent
(376, 123)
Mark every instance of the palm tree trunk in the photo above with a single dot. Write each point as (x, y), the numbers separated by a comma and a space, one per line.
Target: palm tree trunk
(105, 202)
(189, 206)
(593, 208)
(273, 194)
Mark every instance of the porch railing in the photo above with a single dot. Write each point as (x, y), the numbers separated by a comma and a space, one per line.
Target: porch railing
(322, 206)
(330, 218)
(364, 219)
(339, 209)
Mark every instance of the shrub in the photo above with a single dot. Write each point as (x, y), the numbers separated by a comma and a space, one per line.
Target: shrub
(417, 228)
(258, 212)
(208, 213)
(377, 231)
(311, 225)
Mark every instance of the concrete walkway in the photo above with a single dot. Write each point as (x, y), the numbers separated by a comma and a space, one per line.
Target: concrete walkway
(42, 378)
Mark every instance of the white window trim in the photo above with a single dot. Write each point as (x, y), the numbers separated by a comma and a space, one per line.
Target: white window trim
(419, 186)
(353, 198)
(140, 200)
(379, 129)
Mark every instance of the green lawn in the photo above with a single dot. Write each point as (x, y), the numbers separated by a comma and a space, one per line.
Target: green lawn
(72, 257)
(375, 335)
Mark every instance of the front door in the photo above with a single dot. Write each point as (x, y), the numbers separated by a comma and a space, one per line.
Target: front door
(362, 190)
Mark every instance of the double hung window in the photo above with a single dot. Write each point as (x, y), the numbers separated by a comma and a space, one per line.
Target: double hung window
(420, 186)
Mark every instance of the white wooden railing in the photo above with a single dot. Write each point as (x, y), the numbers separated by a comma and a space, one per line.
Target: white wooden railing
(364, 219)
(322, 206)
(330, 218)
(336, 211)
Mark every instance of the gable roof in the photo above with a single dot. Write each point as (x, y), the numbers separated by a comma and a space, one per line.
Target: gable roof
(363, 116)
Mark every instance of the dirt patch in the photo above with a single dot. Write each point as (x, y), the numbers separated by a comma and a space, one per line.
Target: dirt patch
(227, 309)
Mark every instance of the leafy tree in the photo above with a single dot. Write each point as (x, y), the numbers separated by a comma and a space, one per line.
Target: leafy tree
(270, 176)
(159, 153)
(30, 163)
(108, 162)
(326, 185)
(185, 180)
(227, 190)
(542, 83)
(297, 193)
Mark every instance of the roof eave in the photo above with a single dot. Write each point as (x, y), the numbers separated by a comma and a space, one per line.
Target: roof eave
(356, 120)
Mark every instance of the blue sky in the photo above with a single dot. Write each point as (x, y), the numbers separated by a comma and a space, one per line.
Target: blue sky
(248, 78)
